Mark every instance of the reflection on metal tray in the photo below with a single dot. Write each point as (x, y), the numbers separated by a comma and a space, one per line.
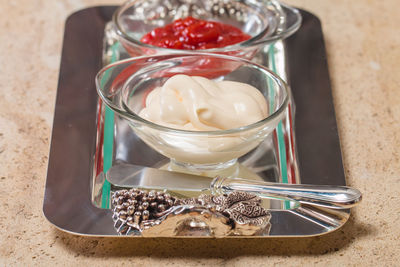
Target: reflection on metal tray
(76, 137)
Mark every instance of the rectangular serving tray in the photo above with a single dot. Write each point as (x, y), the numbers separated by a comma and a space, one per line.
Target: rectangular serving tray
(67, 200)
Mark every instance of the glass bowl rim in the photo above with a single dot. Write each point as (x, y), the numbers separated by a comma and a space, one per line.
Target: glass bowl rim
(253, 41)
(132, 116)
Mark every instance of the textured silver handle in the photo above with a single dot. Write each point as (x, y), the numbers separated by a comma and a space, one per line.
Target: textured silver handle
(330, 196)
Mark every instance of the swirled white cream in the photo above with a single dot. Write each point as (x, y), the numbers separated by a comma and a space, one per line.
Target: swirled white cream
(199, 104)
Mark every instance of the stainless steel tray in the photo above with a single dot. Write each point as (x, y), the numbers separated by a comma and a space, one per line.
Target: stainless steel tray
(76, 136)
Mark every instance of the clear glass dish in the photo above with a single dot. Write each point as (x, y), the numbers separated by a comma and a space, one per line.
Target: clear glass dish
(124, 85)
(265, 21)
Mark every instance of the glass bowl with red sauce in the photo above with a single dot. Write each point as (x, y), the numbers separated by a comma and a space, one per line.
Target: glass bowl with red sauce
(236, 27)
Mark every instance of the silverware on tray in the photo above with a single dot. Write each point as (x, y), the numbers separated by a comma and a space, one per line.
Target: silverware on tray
(329, 196)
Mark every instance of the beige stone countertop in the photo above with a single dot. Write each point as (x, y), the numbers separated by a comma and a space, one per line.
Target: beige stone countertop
(363, 46)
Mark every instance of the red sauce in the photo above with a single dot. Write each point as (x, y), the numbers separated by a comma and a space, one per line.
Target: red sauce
(192, 34)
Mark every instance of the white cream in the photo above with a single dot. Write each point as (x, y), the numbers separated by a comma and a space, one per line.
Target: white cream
(199, 104)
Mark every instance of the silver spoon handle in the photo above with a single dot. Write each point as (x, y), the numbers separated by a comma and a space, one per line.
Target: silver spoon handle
(330, 196)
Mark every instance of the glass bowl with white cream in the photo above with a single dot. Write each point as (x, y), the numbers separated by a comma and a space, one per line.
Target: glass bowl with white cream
(203, 120)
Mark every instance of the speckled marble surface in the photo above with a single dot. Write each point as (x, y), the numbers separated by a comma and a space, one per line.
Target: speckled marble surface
(363, 46)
